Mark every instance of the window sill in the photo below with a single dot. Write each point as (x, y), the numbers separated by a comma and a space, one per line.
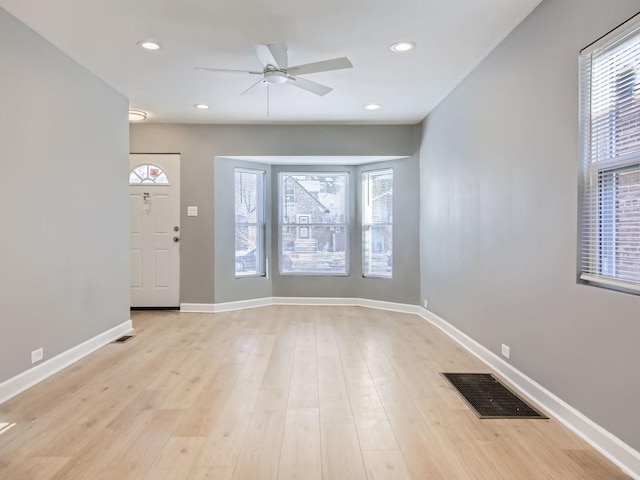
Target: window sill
(612, 283)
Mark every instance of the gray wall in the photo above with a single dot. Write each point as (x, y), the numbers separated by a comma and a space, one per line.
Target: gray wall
(64, 268)
(499, 193)
(199, 145)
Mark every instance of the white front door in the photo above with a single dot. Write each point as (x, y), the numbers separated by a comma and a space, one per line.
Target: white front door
(155, 230)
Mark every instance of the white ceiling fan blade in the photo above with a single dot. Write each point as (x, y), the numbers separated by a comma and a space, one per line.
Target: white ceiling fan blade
(324, 66)
(309, 86)
(226, 70)
(275, 55)
(253, 88)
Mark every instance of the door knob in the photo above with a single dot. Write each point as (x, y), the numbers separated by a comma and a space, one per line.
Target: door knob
(176, 239)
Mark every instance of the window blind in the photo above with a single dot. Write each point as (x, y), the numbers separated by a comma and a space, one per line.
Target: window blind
(610, 136)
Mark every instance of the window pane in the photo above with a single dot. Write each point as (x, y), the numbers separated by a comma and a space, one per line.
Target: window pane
(313, 214)
(615, 93)
(249, 220)
(620, 224)
(148, 174)
(377, 231)
(313, 249)
(628, 225)
(380, 197)
(378, 248)
(313, 198)
(246, 192)
(248, 256)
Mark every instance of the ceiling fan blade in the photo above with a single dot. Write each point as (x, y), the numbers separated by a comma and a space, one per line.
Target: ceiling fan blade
(226, 70)
(324, 66)
(309, 86)
(253, 88)
(275, 55)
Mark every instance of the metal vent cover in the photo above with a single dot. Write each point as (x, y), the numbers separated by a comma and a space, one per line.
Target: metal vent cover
(123, 339)
(489, 398)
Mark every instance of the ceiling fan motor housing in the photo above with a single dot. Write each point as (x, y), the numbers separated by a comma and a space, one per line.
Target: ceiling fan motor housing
(275, 76)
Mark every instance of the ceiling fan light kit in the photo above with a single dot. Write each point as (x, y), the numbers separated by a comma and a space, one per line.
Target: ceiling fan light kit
(276, 70)
(277, 76)
(137, 115)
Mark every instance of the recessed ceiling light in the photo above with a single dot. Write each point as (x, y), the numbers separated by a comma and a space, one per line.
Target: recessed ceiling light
(373, 106)
(401, 47)
(137, 115)
(149, 45)
(201, 106)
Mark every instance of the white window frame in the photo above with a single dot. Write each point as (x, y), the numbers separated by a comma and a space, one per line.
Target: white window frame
(602, 162)
(368, 222)
(259, 224)
(281, 223)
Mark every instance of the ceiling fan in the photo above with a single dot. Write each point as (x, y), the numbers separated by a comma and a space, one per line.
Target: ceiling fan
(276, 70)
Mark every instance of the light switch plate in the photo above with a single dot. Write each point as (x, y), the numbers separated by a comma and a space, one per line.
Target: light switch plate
(192, 211)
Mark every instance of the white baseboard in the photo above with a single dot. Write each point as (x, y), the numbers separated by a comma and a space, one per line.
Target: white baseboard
(197, 307)
(618, 452)
(316, 301)
(311, 301)
(225, 307)
(389, 306)
(21, 382)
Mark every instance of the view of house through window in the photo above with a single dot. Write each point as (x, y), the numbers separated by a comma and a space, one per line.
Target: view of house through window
(314, 235)
(377, 219)
(610, 78)
(250, 227)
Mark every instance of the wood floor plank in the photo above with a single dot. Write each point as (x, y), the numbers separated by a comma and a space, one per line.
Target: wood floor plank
(300, 456)
(32, 468)
(341, 455)
(211, 473)
(332, 391)
(375, 433)
(262, 445)
(177, 459)
(385, 465)
(303, 388)
(140, 453)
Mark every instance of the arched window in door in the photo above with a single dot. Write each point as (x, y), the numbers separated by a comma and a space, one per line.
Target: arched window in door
(148, 174)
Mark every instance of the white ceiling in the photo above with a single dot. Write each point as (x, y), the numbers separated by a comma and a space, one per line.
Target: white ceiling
(452, 37)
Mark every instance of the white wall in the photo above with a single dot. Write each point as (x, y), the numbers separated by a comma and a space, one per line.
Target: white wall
(64, 266)
(499, 208)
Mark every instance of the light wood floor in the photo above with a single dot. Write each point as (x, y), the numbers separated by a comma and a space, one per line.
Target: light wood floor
(277, 393)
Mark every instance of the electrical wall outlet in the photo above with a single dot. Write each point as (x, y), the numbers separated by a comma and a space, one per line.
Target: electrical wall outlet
(426, 304)
(506, 351)
(37, 355)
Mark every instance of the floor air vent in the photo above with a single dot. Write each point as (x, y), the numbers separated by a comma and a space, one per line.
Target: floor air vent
(123, 339)
(489, 398)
